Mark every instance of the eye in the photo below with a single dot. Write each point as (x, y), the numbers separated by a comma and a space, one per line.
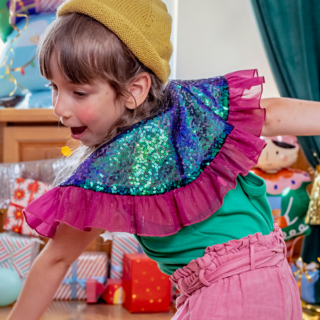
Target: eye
(80, 94)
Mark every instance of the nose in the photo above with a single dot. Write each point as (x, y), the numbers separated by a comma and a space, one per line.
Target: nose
(60, 107)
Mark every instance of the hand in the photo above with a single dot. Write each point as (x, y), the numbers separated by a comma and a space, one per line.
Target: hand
(49, 270)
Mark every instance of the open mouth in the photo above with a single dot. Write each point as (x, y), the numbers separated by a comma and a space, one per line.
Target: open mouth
(78, 130)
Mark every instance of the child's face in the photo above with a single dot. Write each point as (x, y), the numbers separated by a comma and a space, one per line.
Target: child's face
(88, 110)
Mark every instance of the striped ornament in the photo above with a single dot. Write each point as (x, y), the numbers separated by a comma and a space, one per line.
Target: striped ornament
(89, 265)
(15, 253)
(122, 243)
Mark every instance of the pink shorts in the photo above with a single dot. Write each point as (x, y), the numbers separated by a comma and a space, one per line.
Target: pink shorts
(246, 279)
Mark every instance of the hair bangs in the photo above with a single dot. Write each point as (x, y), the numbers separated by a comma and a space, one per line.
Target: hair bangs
(81, 57)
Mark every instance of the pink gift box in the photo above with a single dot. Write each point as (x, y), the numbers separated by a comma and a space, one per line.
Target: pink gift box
(90, 265)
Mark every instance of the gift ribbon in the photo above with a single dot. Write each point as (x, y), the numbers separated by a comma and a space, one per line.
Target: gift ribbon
(116, 268)
(34, 188)
(24, 9)
(74, 281)
(303, 269)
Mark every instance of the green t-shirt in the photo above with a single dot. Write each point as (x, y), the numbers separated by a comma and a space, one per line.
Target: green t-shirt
(245, 211)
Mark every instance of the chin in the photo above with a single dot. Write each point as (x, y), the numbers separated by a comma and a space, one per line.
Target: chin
(88, 143)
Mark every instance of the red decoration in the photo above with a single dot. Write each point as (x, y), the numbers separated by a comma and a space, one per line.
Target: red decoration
(17, 228)
(114, 293)
(18, 194)
(146, 288)
(19, 181)
(18, 214)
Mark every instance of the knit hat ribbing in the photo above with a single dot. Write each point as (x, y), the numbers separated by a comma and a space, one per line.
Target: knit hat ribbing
(144, 26)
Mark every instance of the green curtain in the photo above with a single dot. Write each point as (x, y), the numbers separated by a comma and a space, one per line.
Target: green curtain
(290, 31)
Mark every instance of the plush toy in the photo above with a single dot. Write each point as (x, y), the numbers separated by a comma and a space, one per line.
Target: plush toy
(286, 187)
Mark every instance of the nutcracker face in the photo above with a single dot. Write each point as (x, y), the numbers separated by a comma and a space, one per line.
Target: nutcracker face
(280, 152)
(286, 187)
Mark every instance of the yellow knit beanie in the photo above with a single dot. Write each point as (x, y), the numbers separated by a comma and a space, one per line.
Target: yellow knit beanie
(144, 26)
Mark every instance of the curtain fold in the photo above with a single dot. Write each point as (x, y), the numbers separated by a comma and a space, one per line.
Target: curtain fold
(290, 30)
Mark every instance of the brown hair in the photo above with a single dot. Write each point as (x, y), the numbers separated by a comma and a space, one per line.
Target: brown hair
(86, 51)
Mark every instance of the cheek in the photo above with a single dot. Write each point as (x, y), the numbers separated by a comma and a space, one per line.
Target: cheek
(87, 114)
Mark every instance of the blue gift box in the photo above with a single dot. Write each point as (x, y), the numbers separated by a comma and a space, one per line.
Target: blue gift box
(307, 286)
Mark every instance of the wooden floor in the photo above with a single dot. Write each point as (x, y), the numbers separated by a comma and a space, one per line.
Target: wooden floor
(77, 310)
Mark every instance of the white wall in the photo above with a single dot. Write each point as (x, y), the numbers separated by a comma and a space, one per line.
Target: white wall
(172, 6)
(216, 37)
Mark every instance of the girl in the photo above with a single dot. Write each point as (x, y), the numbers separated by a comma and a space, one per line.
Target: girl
(167, 163)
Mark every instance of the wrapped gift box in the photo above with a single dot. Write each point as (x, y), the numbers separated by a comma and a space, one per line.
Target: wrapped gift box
(146, 288)
(114, 293)
(123, 243)
(25, 191)
(18, 252)
(94, 289)
(90, 265)
(306, 276)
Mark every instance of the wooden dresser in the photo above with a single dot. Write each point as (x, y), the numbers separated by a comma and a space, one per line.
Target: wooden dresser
(36, 134)
(31, 134)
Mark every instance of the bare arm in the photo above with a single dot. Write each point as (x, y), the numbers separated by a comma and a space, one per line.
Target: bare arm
(49, 270)
(291, 117)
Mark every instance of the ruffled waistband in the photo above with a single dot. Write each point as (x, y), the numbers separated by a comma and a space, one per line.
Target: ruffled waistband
(228, 259)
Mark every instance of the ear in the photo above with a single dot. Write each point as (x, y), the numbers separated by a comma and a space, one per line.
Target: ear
(139, 89)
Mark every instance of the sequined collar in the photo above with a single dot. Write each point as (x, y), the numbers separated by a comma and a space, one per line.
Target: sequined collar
(166, 151)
